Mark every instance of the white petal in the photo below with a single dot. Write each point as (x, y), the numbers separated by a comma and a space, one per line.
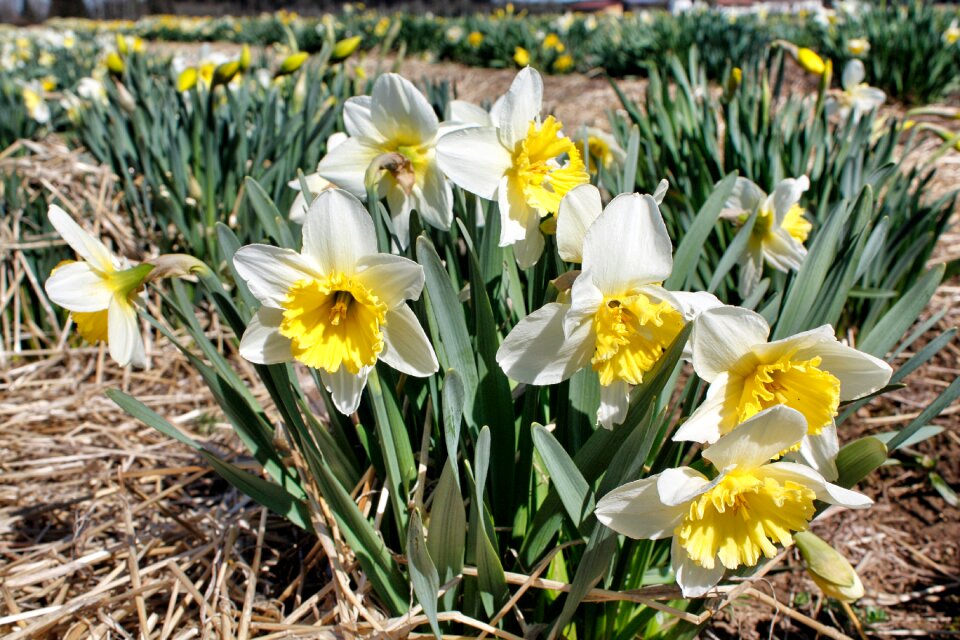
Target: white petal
(782, 251)
(745, 198)
(521, 105)
(298, 210)
(722, 336)
(787, 194)
(703, 425)
(803, 342)
(393, 279)
(406, 347)
(77, 287)
(853, 74)
(516, 216)
(635, 510)
(358, 121)
(694, 580)
(400, 206)
(528, 250)
(261, 342)
(585, 299)
(679, 486)
(538, 352)
(468, 113)
(820, 452)
(751, 270)
(868, 98)
(827, 492)
(628, 245)
(338, 232)
(859, 373)
(754, 442)
(474, 160)
(270, 271)
(614, 402)
(690, 303)
(345, 388)
(86, 246)
(401, 113)
(346, 166)
(123, 333)
(661, 191)
(434, 201)
(578, 209)
(336, 139)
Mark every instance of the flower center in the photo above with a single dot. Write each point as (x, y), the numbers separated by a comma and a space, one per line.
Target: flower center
(537, 166)
(332, 322)
(632, 333)
(742, 517)
(799, 384)
(795, 224)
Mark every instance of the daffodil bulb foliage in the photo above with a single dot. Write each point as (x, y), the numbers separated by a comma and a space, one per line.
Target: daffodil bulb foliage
(100, 290)
(810, 372)
(736, 517)
(393, 134)
(779, 231)
(857, 97)
(523, 163)
(338, 305)
(618, 320)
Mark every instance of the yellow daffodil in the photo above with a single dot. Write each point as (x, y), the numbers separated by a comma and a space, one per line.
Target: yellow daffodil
(338, 306)
(521, 56)
(740, 515)
(395, 130)
(810, 372)
(475, 39)
(100, 291)
(811, 61)
(619, 320)
(563, 63)
(780, 229)
(523, 162)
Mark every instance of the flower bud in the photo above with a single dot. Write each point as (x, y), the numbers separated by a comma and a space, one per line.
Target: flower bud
(115, 63)
(187, 79)
(292, 62)
(343, 49)
(225, 72)
(828, 568)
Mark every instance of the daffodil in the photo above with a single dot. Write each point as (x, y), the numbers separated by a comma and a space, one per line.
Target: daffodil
(810, 372)
(779, 231)
(952, 34)
(100, 291)
(857, 97)
(525, 164)
(601, 147)
(475, 39)
(619, 320)
(34, 103)
(315, 183)
(858, 46)
(738, 516)
(396, 127)
(338, 306)
(521, 56)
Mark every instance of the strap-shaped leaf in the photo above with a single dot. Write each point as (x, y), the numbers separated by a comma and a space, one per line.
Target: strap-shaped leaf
(423, 573)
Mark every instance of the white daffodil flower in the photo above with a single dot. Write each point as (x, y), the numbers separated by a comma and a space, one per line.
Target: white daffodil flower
(37, 108)
(396, 127)
(857, 97)
(99, 291)
(810, 372)
(315, 183)
(601, 147)
(525, 164)
(731, 520)
(338, 305)
(779, 232)
(619, 320)
(858, 46)
(578, 210)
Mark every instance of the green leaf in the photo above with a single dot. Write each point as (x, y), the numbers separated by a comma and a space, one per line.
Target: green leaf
(490, 576)
(905, 312)
(453, 401)
(268, 214)
(448, 313)
(394, 445)
(921, 434)
(945, 490)
(943, 401)
(423, 573)
(574, 492)
(687, 256)
(448, 530)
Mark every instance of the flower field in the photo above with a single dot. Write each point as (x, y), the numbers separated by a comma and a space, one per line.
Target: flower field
(311, 329)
